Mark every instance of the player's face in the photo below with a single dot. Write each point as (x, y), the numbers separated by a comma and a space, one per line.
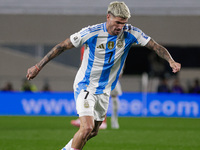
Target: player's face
(115, 24)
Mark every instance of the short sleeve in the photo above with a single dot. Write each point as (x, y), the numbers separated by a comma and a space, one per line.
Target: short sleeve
(141, 38)
(76, 39)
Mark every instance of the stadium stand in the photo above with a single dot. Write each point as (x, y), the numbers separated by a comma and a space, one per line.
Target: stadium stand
(34, 22)
(14, 65)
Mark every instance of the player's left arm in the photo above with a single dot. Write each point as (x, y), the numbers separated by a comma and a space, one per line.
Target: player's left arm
(163, 53)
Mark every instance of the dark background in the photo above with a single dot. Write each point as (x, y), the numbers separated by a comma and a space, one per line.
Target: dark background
(138, 62)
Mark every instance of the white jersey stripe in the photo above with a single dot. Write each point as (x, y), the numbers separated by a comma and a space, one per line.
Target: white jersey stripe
(86, 72)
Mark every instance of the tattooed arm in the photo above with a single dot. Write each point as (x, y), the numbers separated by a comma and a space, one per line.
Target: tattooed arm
(163, 53)
(55, 51)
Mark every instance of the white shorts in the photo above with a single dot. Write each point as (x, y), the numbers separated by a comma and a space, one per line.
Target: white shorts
(117, 91)
(88, 104)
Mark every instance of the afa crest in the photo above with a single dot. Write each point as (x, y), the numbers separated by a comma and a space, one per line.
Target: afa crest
(120, 44)
(111, 45)
(86, 103)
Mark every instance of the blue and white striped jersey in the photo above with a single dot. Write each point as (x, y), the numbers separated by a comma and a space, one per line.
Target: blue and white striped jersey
(104, 56)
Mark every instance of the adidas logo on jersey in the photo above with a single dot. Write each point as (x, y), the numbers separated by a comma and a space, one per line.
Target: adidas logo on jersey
(101, 46)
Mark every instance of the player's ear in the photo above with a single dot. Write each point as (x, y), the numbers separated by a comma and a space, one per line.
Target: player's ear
(108, 16)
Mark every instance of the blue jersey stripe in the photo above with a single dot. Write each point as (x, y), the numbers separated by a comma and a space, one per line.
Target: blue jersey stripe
(108, 63)
(83, 84)
(90, 30)
(123, 58)
(104, 27)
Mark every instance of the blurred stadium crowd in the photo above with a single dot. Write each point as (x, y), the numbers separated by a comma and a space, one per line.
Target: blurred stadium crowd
(33, 27)
(163, 87)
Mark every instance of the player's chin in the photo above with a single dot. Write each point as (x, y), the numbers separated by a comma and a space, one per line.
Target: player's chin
(117, 32)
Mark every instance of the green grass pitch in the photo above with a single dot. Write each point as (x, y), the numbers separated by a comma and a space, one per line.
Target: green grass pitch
(52, 133)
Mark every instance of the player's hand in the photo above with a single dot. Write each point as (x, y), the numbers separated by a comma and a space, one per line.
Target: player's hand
(32, 73)
(175, 66)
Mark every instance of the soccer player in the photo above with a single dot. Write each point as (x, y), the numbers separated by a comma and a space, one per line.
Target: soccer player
(115, 93)
(76, 122)
(107, 45)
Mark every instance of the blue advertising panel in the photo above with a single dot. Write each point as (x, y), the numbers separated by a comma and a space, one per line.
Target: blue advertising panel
(131, 104)
(159, 105)
(27, 103)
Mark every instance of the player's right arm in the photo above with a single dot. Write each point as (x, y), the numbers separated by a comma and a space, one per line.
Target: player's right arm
(163, 53)
(55, 51)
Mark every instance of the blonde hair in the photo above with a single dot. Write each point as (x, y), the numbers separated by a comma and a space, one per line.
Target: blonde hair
(119, 9)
